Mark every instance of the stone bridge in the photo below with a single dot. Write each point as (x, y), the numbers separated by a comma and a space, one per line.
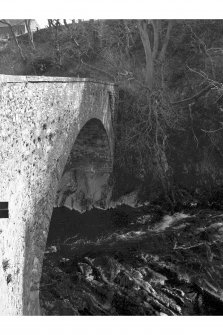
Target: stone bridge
(56, 148)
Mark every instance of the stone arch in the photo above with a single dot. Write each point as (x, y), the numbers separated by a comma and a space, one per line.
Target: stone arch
(40, 118)
(78, 156)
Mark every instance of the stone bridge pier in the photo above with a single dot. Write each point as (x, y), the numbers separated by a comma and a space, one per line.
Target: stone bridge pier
(56, 148)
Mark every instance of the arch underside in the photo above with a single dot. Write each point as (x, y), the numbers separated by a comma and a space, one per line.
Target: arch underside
(85, 180)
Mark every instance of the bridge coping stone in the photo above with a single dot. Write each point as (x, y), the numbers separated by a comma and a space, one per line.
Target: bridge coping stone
(35, 79)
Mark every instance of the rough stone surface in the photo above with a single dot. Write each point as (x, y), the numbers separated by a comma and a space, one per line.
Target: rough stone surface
(40, 118)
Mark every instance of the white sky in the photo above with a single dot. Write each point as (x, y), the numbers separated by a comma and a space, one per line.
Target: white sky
(115, 9)
(43, 22)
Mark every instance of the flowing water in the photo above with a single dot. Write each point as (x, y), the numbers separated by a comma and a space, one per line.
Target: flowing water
(133, 261)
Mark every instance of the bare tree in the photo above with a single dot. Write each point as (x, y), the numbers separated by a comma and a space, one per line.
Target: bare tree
(54, 25)
(154, 45)
(14, 38)
(50, 23)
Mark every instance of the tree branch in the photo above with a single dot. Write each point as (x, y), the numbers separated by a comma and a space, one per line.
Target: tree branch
(194, 97)
(212, 131)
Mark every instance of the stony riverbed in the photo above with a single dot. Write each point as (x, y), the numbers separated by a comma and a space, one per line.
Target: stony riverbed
(134, 261)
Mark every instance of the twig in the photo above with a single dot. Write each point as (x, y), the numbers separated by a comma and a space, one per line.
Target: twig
(212, 82)
(195, 137)
(212, 131)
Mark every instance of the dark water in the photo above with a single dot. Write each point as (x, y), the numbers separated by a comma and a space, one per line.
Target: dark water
(91, 224)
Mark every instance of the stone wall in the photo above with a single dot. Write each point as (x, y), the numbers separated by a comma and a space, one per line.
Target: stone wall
(40, 118)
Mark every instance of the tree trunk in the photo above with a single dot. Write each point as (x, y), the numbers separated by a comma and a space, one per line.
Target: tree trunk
(142, 26)
(156, 31)
(30, 33)
(166, 41)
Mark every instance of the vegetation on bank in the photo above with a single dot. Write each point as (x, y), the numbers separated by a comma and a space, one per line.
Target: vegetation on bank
(170, 112)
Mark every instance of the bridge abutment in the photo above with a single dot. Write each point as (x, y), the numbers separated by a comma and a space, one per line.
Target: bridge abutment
(41, 119)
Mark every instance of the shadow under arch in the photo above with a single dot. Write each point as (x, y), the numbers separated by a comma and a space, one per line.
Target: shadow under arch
(85, 179)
